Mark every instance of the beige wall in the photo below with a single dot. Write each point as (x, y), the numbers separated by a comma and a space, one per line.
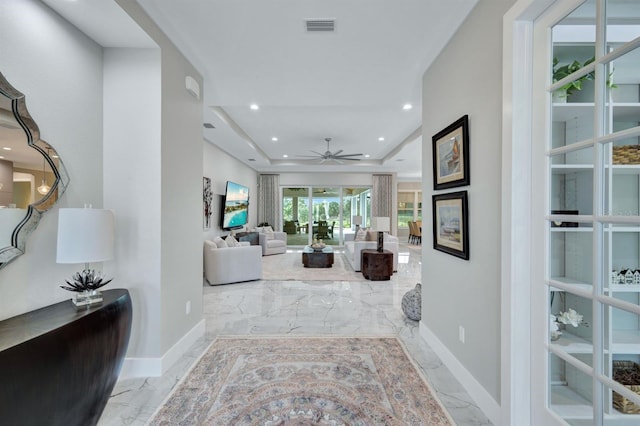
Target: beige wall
(466, 78)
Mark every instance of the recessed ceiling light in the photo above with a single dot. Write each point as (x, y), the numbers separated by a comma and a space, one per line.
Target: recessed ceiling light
(1, 157)
(367, 156)
(55, 156)
(285, 156)
(381, 139)
(6, 148)
(274, 139)
(254, 107)
(209, 126)
(407, 107)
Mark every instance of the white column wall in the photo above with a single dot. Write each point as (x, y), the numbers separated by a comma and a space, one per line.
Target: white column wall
(180, 185)
(132, 185)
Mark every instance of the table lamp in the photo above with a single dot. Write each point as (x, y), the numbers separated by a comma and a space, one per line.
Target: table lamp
(85, 235)
(357, 221)
(382, 225)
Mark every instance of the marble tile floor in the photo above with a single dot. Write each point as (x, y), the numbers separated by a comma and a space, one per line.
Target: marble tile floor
(302, 308)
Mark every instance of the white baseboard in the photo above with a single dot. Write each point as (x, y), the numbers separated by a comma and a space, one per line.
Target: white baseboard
(485, 401)
(155, 367)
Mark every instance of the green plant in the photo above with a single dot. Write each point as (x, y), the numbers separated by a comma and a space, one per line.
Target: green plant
(560, 72)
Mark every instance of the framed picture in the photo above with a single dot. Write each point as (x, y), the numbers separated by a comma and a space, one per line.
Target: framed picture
(450, 224)
(207, 198)
(451, 155)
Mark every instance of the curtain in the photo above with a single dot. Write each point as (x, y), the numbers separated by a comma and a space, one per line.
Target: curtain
(269, 200)
(382, 196)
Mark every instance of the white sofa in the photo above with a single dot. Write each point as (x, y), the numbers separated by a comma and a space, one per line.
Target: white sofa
(224, 265)
(353, 249)
(271, 242)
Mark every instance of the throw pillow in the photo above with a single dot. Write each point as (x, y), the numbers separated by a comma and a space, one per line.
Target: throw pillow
(372, 235)
(210, 245)
(268, 229)
(231, 241)
(219, 242)
(361, 235)
(258, 229)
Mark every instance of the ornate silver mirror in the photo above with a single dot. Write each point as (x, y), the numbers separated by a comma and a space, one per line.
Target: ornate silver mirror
(32, 176)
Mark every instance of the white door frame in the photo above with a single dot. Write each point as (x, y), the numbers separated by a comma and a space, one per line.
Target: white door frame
(519, 405)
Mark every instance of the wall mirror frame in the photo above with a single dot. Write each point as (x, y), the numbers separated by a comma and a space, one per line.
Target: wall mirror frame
(23, 153)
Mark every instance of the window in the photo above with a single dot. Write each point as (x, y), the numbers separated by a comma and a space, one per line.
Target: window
(409, 207)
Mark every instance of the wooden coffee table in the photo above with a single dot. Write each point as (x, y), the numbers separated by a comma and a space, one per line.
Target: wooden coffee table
(377, 266)
(317, 259)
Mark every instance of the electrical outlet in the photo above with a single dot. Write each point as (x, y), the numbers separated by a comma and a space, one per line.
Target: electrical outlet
(461, 333)
(188, 307)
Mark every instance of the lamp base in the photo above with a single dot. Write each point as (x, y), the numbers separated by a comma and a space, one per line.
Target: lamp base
(380, 242)
(86, 298)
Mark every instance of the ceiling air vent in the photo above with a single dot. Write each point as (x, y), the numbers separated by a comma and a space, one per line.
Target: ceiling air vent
(209, 126)
(320, 25)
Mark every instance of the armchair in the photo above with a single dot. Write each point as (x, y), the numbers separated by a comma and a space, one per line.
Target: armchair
(272, 242)
(290, 227)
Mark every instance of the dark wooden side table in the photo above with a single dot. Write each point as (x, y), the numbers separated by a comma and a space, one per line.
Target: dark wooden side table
(375, 265)
(252, 237)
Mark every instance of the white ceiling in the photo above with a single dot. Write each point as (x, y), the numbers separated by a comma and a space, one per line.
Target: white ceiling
(349, 85)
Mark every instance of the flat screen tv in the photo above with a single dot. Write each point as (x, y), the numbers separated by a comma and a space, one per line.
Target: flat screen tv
(236, 206)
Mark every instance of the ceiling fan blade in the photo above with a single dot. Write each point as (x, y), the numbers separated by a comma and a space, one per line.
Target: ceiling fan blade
(348, 159)
(335, 154)
(348, 155)
(308, 156)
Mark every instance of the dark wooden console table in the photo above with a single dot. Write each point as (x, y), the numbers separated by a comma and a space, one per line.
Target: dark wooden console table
(60, 363)
(375, 265)
(252, 237)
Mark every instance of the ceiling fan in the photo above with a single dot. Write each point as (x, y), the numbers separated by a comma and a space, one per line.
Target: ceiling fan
(333, 156)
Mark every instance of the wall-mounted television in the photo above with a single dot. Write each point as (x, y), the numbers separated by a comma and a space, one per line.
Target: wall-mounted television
(235, 212)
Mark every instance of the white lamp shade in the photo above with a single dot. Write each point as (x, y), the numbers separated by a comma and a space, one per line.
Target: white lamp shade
(85, 235)
(381, 224)
(357, 220)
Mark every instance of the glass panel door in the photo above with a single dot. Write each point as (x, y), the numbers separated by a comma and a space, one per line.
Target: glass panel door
(325, 204)
(295, 215)
(356, 203)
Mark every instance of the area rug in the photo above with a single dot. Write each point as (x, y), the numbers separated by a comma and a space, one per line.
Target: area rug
(303, 381)
(288, 267)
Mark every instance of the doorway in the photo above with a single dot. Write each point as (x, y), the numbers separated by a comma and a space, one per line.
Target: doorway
(324, 213)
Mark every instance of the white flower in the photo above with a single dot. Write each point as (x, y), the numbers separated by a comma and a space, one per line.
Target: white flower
(570, 317)
(553, 325)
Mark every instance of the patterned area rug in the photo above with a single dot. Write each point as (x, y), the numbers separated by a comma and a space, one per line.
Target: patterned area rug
(288, 267)
(303, 381)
